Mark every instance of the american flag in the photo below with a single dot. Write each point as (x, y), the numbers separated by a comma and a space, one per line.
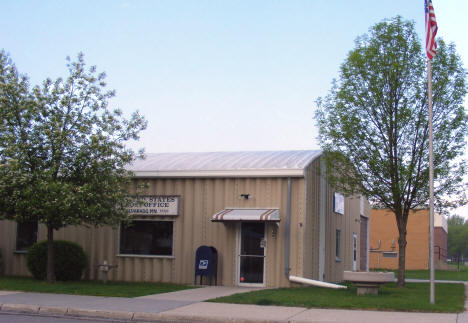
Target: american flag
(431, 29)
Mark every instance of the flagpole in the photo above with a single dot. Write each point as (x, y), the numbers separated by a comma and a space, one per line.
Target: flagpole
(431, 188)
(431, 46)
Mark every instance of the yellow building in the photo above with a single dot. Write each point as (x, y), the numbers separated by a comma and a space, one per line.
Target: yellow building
(383, 251)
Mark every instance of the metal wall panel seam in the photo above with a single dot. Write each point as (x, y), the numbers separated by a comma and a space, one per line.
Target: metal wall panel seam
(322, 221)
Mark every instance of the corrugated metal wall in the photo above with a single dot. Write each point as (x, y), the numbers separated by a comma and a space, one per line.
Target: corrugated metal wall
(12, 263)
(352, 222)
(348, 224)
(312, 221)
(199, 200)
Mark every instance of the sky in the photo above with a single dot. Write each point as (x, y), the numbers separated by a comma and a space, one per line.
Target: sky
(211, 75)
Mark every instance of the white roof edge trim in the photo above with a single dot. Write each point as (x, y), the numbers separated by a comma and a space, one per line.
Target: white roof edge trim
(223, 173)
(312, 160)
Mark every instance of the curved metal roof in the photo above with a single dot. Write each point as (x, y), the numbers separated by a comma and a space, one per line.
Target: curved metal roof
(225, 164)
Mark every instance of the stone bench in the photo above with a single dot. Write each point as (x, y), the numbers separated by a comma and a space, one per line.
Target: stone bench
(368, 282)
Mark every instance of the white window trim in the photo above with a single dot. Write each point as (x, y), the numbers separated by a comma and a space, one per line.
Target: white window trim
(126, 255)
(237, 260)
(338, 256)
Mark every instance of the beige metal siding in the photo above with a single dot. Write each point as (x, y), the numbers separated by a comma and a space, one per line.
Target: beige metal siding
(199, 200)
(347, 224)
(312, 221)
(333, 222)
(297, 230)
(11, 262)
(14, 263)
(352, 225)
(365, 236)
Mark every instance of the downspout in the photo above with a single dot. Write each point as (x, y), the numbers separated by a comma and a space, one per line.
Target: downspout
(317, 283)
(287, 235)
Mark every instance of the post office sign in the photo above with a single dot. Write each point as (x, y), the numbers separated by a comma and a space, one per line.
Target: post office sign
(155, 205)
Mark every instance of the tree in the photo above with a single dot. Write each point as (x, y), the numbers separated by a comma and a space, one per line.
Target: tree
(62, 150)
(457, 239)
(373, 124)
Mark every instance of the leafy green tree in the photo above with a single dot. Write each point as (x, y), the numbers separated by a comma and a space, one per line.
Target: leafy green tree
(373, 124)
(63, 151)
(457, 239)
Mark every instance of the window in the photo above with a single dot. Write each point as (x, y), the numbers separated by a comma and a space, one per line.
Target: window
(389, 254)
(354, 246)
(338, 203)
(361, 205)
(338, 245)
(26, 235)
(152, 238)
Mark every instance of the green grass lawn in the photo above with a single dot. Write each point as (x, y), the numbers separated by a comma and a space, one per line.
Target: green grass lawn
(439, 274)
(413, 297)
(86, 287)
(461, 275)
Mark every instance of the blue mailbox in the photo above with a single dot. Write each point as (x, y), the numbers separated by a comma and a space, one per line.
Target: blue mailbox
(206, 263)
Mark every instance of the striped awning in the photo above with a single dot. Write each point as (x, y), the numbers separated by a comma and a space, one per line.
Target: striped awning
(246, 215)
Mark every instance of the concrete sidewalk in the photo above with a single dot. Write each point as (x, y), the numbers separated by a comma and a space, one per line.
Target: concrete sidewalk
(200, 294)
(187, 305)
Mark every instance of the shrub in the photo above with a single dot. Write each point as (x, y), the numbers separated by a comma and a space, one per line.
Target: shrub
(70, 260)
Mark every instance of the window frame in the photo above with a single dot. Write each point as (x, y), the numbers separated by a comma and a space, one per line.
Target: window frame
(23, 251)
(390, 254)
(338, 245)
(171, 256)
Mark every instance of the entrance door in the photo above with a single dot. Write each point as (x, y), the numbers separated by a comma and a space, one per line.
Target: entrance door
(252, 253)
(363, 244)
(354, 251)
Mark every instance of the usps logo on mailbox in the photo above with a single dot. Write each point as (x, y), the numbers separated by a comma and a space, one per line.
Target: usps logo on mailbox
(203, 264)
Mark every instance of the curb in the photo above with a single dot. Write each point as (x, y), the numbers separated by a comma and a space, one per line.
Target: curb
(211, 319)
(81, 312)
(145, 316)
(118, 315)
(19, 308)
(69, 312)
(52, 310)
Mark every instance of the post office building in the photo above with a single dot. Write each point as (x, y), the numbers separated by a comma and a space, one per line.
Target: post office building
(267, 216)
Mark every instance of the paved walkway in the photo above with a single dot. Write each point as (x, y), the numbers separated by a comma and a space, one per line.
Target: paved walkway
(188, 305)
(199, 294)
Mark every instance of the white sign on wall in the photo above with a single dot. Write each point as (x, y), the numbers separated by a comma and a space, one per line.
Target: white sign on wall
(155, 205)
(338, 203)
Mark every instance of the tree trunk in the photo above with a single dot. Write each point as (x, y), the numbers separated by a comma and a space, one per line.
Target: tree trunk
(401, 258)
(50, 255)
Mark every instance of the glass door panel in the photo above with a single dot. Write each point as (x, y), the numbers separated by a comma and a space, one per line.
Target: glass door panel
(252, 253)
